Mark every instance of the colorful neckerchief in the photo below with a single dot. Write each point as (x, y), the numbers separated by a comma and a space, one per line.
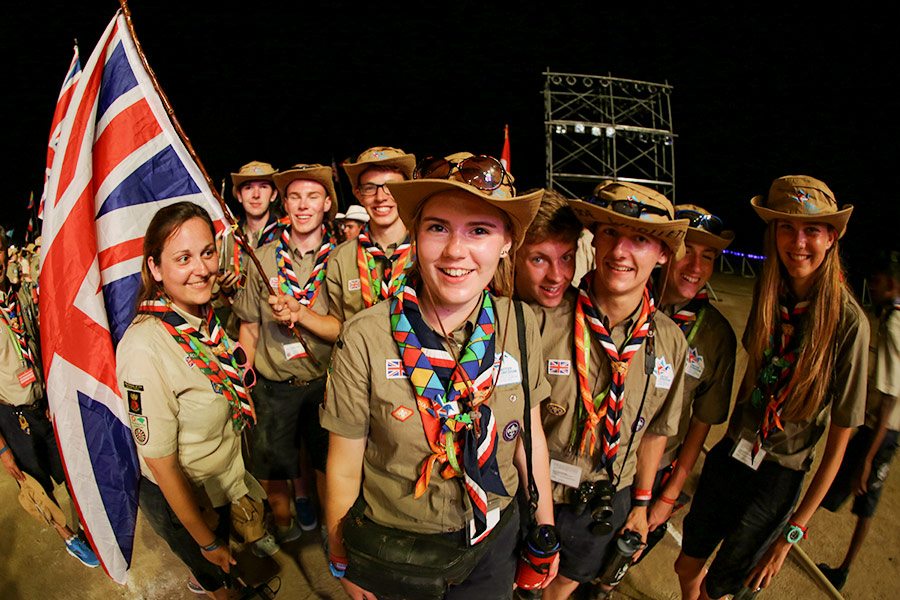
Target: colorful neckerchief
(691, 313)
(393, 278)
(269, 233)
(607, 407)
(773, 383)
(287, 278)
(452, 400)
(9, 308)
(225, 374)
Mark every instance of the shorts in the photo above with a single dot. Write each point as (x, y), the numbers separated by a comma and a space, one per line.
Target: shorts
(35, 452)
(582, 554)
(285, 415)
(865, 504)
(167, 526)
(742, 508)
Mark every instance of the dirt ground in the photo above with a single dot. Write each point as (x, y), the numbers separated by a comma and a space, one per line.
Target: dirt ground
(35, 565)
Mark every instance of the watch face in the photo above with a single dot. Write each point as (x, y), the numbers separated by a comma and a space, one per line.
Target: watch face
(794, 534)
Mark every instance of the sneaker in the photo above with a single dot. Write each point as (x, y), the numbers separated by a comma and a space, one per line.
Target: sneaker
(195, 587)
(287, 534)
(836, 576)
(78, 548)
(306, 514)
(265, 546)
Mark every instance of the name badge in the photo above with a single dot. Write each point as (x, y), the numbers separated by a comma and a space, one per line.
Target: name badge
(694, 363)
(294, 350)
(353, 285)
(743, 452)
(493, 517)
(665, 374)
(564, 473)
(509, 370)
(26, 377)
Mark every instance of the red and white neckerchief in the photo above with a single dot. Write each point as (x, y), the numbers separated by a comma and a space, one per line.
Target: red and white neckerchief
(287, 278)
(393, 279)
(12, 316)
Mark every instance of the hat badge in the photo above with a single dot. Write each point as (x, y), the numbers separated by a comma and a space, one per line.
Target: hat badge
(802, 197)
(257, 170)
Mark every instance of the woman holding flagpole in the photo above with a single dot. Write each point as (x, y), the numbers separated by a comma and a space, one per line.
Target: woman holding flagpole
(183, 380)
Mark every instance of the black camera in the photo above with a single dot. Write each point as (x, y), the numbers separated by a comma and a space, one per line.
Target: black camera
(598, 497)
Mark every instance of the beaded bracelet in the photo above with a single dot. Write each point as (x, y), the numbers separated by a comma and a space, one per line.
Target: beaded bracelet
(214, 546)
(4, 449)
(337, 565)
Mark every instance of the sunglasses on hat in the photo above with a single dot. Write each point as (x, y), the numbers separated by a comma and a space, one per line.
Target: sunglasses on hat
(710, 223)
(481, 172)
(629, 208)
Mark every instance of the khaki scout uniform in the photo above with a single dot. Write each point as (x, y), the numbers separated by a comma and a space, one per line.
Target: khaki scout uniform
(662, 408)
(11, 364)
(794, 446)
(708, 376)
(884, 367)
(276, 342)
(369, 396)
(173, 409)
(343, 280)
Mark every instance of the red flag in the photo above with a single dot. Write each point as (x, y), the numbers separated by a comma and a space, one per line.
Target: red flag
(504, 156)
(62, 105)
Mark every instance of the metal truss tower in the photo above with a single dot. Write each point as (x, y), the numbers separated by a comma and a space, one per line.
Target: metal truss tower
(601, 128)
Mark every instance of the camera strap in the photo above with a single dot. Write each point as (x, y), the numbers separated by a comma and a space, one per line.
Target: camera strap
(533, 495)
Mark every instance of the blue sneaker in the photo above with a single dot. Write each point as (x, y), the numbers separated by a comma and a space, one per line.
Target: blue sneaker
(306, 514)
(78, 548)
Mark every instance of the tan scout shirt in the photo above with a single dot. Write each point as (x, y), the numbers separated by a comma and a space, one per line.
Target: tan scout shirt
(11, 392)
(367, 397)
(794, 446)
(277, 342)
(174, 409)
(662, 408)
(708, 376)
(884, 367)
(342, 279)
(220, 302)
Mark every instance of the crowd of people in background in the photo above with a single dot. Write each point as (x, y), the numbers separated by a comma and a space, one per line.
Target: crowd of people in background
(471, 390)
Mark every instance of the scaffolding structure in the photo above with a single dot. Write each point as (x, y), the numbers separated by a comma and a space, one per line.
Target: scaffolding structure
(602, 127)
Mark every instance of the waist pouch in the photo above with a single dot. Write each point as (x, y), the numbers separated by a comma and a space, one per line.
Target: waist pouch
(395, 564)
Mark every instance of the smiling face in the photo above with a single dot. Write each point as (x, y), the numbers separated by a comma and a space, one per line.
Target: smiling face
(306, 203)
(686, 277)
(459, 240)
(802, 246)
(255, 197)
(188, 265)
(381, 206)
(544, 271)
(624, 260)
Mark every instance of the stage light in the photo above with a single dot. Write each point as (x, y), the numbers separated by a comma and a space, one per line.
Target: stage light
(556, 79)
(561, 129)
(587, 81)
(570, 80)
(595, 131)
(610, 132)
(642, 137)
(667, 140)
(579, 128)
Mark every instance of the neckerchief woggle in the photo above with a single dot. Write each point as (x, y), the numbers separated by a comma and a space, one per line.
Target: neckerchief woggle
(451, 398)
(606, 409)
(9, 308)
(288, 283)
(225, 374)
(393, 279)
(773, 383)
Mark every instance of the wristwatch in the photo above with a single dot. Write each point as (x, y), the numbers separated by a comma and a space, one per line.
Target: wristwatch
(793, 533)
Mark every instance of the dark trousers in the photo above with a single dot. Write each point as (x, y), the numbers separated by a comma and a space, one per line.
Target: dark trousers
(35, 452)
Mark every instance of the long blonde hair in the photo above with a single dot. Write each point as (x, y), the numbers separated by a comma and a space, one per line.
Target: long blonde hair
(812, 374)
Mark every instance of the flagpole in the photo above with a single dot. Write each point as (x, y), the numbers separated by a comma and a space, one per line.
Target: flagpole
(236, 230)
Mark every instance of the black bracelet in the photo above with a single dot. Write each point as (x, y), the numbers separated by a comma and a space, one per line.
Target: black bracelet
(214, 546)
(635, 502)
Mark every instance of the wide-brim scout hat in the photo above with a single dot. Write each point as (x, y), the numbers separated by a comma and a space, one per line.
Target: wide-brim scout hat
(357, 213)
(636, 207)
(379, 156)
(705, 228)
(252, 171)
(36, 502)
(471, 178)
(804, 198)
(312, 172)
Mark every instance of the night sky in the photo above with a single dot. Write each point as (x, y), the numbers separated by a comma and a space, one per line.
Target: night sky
(757, 93)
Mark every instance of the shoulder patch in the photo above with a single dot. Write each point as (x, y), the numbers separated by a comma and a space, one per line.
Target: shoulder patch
(353, 285)
(134, 402)
(140, 429)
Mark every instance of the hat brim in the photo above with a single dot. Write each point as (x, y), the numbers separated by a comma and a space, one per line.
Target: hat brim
(405, 164)
(706, 238)
(838, 219)
(670, 233)
(410, 195)
(321, 175)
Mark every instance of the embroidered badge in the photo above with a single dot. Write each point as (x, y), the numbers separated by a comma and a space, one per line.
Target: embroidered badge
(802, 197)
(694, 363)
(638, 425)
(393, 368)
(133, 386)
(401, 413)
(273, 282)
(559, 367)
(140, 429)
(555, 409)
(511, 431)
(189, 360)
(353, 285)
(217, 387)
(664, 372)
(134, 402)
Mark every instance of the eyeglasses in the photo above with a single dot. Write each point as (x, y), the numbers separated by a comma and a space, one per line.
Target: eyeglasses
(632, 207)
(485, 173)
(710, 223)
(370, 189)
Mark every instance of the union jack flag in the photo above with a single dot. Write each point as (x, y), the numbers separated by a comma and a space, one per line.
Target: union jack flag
(62, 105)
(118, 161)
(559, 367)
(394, 368)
